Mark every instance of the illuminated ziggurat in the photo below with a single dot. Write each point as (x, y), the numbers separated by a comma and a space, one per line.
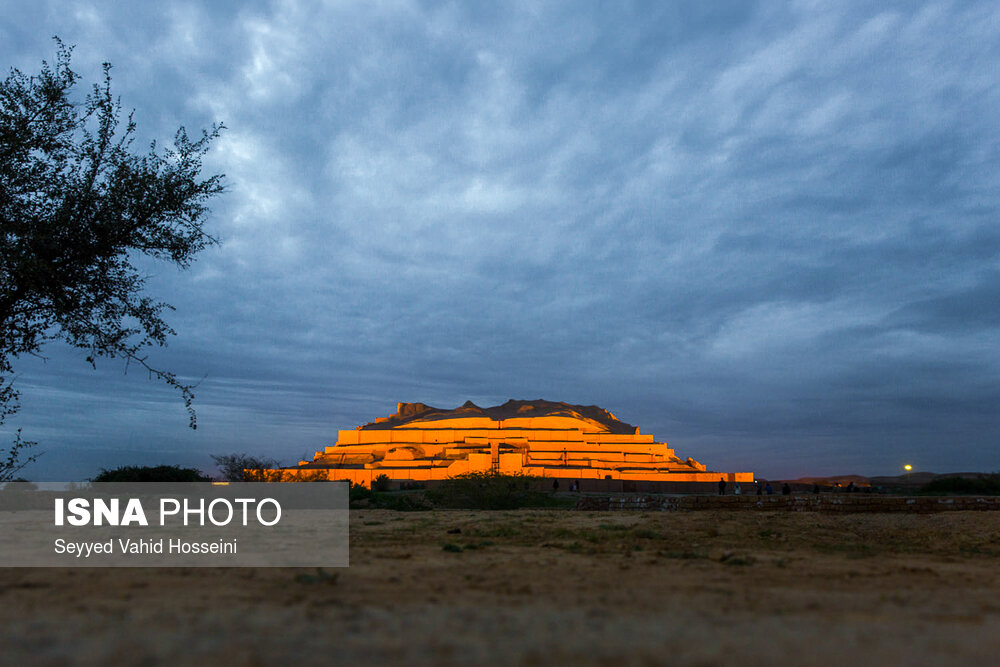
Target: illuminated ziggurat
(538, 438)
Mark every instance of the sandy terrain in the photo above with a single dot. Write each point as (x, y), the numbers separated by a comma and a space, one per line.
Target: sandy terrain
(549, 587)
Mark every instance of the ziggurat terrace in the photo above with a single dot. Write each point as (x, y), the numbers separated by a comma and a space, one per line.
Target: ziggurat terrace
(537, 438)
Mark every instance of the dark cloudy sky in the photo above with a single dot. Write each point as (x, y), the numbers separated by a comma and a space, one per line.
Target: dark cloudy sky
(764, 232)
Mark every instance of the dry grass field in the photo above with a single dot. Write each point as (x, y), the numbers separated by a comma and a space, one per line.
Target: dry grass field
(549, 587)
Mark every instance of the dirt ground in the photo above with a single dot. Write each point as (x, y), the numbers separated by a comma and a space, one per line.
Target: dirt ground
(548, 587)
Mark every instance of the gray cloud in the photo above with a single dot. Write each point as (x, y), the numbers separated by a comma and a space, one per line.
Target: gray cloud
(763, 233)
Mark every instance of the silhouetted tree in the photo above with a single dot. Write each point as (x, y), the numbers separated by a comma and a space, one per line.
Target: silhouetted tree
(14, 463)
(247, 468)
(151, 474)
(78, 207)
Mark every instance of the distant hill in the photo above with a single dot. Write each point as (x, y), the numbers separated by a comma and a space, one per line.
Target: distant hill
(829, 481)
(912, 479)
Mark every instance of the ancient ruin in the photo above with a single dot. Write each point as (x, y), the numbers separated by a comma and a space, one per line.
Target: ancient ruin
(538, 438)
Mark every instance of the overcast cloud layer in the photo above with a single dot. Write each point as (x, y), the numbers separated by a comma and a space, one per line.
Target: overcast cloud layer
(765, 233)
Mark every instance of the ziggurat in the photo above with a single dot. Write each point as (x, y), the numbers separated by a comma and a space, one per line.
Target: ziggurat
(537, 438)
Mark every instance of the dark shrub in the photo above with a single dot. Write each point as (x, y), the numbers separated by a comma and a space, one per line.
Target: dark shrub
(244, 467)
(487, 491)
(401, 502)
(151, 474)
(359, 495)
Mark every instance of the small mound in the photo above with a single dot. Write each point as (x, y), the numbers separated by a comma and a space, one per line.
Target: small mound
(410, 412)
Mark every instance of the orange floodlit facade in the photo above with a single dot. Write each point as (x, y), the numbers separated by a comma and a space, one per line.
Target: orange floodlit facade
(538, 438)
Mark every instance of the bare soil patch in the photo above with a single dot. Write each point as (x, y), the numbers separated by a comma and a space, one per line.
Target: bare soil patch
(548, 587)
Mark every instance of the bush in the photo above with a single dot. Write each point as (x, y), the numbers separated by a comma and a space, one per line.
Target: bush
(411, 486)
(401, 502)
(361, 497)
(151, 474)
(244, 467)
(381, 483)
(358, 493)
(488, 491)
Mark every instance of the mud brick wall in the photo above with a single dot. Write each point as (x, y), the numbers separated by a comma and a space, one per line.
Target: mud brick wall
(794, 503)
